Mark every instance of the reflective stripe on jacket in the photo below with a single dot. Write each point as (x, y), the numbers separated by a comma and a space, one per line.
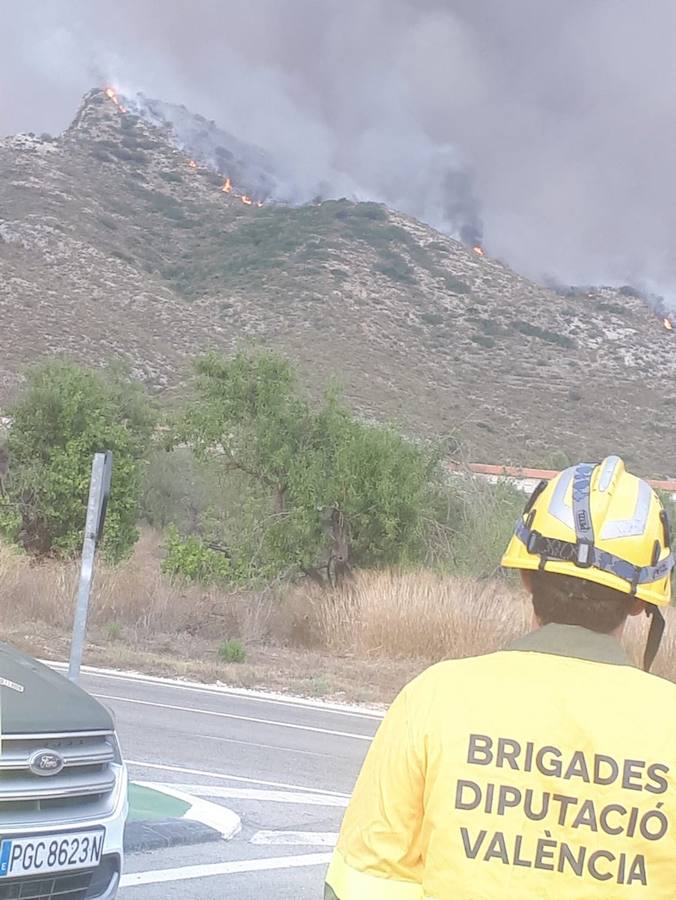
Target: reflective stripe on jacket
(543, 771)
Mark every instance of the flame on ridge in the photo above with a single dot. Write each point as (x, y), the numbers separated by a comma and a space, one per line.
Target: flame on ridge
(479, 250)
(668, 324)
(111, 94)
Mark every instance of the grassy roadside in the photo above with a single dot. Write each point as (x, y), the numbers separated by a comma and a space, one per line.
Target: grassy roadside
(361, 644)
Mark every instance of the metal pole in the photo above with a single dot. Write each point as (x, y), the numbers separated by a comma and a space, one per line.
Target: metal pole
(87, 570)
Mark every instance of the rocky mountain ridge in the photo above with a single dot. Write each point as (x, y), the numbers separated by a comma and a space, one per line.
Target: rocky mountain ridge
(114, 243)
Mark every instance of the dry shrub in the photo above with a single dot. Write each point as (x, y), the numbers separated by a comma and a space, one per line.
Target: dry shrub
(135, 597)
(427, 616)
(635, 637)
(420, 614)
(395, 615)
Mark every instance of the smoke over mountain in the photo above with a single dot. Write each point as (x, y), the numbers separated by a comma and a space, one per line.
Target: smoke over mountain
(549, 122)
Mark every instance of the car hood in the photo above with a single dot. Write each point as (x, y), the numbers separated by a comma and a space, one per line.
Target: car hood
(36, 700)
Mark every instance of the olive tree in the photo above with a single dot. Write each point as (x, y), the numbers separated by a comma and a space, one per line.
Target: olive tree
(321, 485)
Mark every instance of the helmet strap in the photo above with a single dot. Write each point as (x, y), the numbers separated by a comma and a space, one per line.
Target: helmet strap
(654, 635)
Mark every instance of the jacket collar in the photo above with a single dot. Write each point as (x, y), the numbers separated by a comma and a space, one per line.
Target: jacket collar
(573, 641)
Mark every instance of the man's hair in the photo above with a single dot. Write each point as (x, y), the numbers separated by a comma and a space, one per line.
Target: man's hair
(574, 601)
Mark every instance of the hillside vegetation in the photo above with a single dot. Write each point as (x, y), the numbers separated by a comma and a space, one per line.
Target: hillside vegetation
(112, 245)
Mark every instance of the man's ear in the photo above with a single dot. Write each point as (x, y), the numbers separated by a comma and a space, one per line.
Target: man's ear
(527, 580)
(637, 608)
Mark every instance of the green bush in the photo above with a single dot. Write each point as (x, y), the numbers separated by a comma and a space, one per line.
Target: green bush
(63, 416)
(544, 334)
(481, 522)
(614, 309)
(177, 490)
(113, 631)
(190, 559)
(432, 318)
(232, 651)
(125, 257)
(483, 340)
(491, 327)
(395, 267)
(454, 285)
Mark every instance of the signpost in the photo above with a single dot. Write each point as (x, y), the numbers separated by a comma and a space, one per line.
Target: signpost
(99, 492)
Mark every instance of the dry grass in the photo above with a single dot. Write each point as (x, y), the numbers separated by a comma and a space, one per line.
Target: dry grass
(360, 643)
(134, 598)
(420, 614)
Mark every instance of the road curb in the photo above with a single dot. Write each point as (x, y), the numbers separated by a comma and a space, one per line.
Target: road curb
(225, 822)
(141, 837)
(202, 822)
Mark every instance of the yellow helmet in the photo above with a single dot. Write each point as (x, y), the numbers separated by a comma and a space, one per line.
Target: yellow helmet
(602, 524)
(599, 523)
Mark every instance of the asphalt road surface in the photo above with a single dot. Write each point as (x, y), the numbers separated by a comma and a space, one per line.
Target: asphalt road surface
(286, 768)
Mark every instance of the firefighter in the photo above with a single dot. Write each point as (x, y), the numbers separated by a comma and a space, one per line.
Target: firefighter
(547, 769)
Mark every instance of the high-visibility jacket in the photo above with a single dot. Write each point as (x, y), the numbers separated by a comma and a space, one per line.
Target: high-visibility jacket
(543, 771)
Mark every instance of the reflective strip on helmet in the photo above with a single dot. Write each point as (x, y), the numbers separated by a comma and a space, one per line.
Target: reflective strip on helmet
(608, 473)
(557, 505)
(584, 527)
(565, 551)
(636, 525)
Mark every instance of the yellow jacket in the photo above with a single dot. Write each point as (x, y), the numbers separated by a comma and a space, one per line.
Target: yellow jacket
(543, 771)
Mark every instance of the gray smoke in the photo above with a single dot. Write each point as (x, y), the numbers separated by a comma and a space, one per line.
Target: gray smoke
(551, 122)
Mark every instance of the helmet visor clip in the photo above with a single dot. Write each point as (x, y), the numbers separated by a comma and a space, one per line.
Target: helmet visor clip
(533, 545)
(584, 555)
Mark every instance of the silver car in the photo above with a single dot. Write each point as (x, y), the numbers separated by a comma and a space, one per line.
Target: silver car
(63, 787)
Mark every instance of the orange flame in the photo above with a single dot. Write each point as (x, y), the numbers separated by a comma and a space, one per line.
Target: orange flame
(668, 324)
(247, 200)
(192, 163)
(112, 95)
(227, 187)
(479, 250)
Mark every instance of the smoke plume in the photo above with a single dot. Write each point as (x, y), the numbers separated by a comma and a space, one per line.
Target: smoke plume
(550, 123)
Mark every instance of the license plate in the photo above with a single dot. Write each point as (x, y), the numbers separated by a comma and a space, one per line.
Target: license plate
(50, 853)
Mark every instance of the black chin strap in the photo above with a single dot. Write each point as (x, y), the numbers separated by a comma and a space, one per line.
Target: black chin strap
(654, 635)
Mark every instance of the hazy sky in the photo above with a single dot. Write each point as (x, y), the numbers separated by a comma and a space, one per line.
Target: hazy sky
(564, 111)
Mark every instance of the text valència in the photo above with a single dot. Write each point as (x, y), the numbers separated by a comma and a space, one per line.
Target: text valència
(562, 808)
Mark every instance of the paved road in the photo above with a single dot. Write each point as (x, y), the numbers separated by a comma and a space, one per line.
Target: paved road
(286, 768)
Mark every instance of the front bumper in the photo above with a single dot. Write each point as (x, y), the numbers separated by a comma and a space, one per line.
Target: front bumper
(89, 884)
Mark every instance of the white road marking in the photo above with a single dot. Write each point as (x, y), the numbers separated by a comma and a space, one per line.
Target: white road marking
(223, 715)
(308, 798)
(345, 709)
(182, 770)
(187, 873)
(296, 838)
(224, 740)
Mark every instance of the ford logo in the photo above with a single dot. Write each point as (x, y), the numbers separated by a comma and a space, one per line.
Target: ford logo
(46, 762)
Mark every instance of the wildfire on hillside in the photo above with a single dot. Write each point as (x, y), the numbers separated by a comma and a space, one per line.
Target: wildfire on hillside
(479, 250)
(668, 324)
(246, 200)
(112, 95)
(192, 163)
